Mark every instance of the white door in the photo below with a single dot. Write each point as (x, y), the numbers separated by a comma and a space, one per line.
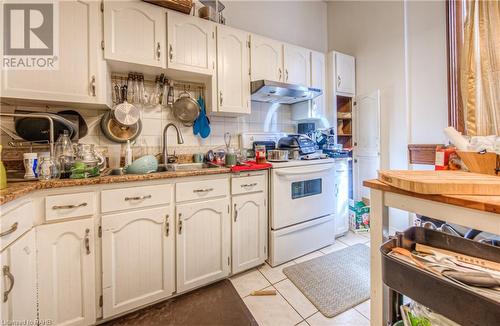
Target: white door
(191, 44)
(345, 73)
(138, 258)
(203, 243)
(18, 285)
(134, 32)
(233, 70)
(266, 59)
(318, 80)
(80, 77)
(66, 272)
(249, 231)
(297, 65)
(366, 136)
(341, 197)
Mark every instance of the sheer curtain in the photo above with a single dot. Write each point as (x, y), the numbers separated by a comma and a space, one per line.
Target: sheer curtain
(480, 67)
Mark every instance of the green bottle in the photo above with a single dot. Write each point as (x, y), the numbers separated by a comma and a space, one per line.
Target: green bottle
(3, 173)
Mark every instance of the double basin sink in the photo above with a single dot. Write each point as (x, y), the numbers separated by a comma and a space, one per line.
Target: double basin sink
(174, 167)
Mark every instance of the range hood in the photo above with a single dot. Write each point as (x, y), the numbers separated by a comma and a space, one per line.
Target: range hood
(282, 93)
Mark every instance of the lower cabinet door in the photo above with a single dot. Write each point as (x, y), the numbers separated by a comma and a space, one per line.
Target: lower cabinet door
(66, 272)
(249, 228)
(203, 242)
(137, 258)
(18, 284)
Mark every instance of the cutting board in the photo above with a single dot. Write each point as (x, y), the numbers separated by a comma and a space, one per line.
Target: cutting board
(442, 182)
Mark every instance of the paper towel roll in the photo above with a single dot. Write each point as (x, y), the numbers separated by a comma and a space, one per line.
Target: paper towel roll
(456, 138)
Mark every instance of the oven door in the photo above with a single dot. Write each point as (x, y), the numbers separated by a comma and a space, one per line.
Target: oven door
(301, 193)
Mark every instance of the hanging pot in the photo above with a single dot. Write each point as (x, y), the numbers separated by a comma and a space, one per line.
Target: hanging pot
(186, 109)
(117, 132)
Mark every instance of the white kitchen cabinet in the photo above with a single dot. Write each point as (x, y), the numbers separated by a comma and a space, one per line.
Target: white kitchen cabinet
(66, 272)
(345, 80)
(341, 197)
(296, 62)
(318, 80)
(249, 230)
(203, 243)
(266, 59)
(138, 258)
(191, 44)
(81, 75)
(233, 70)
(18, 285)
(134, 32)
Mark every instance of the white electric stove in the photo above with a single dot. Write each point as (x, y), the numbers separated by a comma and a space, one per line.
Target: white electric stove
(301, 206)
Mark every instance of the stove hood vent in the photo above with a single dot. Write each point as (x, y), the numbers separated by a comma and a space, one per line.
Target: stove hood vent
(276, 92)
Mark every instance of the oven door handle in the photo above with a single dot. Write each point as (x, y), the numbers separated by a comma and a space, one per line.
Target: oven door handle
(304, 171)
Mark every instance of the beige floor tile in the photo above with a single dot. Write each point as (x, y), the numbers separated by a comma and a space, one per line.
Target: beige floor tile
(294, 297)
(352, 238)
(272, 310)
(303, 323)
(364, 309)
(334, 247)
(274, 274)
(348, 318)
(247, 282)
(307, 257)
(365, 234)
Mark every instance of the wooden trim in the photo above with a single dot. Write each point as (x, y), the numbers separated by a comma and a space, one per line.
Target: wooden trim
(454, 36)
(422, 153)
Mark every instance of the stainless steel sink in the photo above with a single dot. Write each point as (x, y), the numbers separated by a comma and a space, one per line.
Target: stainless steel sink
(190, 166)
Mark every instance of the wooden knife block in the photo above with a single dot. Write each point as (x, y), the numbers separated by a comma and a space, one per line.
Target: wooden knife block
(487, 163)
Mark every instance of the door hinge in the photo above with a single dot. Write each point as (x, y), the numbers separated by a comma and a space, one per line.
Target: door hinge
(102, 6)
(228, 261)
(99, 232)
(102, 44)
(100, 301)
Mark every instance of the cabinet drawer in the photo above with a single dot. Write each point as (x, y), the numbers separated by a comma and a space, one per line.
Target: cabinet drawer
(202, 189)
(66, 206)
(243, 185)
(135, 197)
(15, 223)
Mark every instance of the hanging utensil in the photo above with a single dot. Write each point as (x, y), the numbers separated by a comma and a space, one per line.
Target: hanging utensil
(204, 122)
(227, 140)
(186, 109)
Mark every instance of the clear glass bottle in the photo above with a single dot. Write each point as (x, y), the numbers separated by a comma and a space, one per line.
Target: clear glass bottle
(65, 154)
(47, 169)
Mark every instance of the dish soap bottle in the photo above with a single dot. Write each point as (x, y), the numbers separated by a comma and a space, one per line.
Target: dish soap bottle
(3, 173)
(128, 154)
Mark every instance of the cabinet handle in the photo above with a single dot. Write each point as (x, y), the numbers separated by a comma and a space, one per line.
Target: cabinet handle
(158, 51)
(235, 213)
(6, 272)
(203, 190)
(87, 241)
(286, 74)
(167, 225)
(137, 198)
(220, 98)
(92, 86)
(12, 229)
(339, 80)
(280, 74)
(248, 185)
(180, 223)
(170, 52)
(69, 206)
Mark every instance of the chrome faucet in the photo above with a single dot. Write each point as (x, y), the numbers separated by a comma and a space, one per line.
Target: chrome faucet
(166, 158)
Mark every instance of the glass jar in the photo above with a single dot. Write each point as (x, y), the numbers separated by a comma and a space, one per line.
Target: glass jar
(47, 169)
(260, 154)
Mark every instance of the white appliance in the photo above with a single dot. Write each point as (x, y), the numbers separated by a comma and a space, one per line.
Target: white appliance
(301, 206)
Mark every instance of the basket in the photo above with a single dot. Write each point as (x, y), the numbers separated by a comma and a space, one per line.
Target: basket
(486, 163)
(183, 6)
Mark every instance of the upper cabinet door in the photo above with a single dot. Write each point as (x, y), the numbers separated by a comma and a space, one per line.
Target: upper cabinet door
(81, 74)
(233, 70)
(345, 80)
(191, 44)
(203, 243)
(138, 258)
(66, 272)
(134, 32)
(297, 65)
(318, 80)
(266, 59)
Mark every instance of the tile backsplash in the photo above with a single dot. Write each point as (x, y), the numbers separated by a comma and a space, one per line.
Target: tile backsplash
(264, 117)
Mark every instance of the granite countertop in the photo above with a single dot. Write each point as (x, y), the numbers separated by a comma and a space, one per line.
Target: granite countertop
(18, 189)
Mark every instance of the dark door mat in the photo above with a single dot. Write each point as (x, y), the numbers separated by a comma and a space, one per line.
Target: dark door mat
(215, 304)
